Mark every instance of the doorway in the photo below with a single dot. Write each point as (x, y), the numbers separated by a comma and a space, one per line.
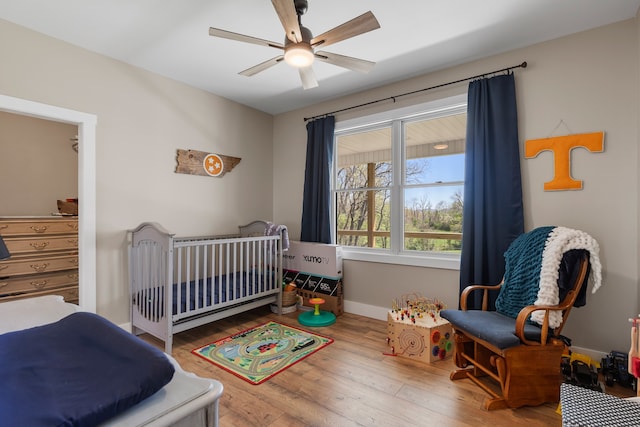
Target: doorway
(86, 185)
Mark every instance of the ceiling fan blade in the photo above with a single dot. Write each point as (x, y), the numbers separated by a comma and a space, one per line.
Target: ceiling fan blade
(308, 78)
(348, 62)
(362, 24)
(287, 13)
(261, 67)
(216, 32)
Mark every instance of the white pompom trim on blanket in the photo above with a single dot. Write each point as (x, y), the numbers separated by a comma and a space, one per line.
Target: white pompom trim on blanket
(559, 241)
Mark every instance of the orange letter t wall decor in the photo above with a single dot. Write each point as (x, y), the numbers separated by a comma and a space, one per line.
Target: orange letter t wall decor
(561, 147)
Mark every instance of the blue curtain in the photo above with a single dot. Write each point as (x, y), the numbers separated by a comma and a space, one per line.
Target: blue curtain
(492, 212)
(316, 204)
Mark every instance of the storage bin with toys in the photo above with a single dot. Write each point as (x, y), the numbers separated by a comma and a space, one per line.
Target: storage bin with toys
(313, 286)
(415, 329)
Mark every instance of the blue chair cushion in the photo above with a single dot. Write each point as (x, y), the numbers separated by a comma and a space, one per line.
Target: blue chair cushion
(491, 326)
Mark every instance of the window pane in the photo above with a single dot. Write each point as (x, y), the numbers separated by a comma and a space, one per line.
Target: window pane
(430, 170)
(434, 149)
(355, 210)
(364, 159)
(433, 218)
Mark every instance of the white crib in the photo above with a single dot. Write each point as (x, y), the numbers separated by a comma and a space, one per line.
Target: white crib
(179, 283)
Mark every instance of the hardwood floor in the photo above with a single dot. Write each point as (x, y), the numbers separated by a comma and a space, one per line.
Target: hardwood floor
(348, 383)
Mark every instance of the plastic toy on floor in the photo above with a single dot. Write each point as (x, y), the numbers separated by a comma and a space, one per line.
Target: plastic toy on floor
(615, 369)
(580, 370)
(317, 317)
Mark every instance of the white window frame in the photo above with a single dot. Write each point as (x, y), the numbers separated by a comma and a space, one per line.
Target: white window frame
(446, 106)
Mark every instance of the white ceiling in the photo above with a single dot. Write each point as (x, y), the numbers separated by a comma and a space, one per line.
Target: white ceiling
(170, 37)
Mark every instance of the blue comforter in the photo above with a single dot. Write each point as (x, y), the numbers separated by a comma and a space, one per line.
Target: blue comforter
(79, 371)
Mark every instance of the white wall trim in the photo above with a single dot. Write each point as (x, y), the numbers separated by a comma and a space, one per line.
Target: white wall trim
(366, 310)
(86, 184)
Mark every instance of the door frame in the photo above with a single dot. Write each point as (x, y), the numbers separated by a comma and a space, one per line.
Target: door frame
(86, 184)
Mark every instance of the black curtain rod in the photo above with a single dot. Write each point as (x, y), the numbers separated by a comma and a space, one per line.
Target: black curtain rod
(393, 98)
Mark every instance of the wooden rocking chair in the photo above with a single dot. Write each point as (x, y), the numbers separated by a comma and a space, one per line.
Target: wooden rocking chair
(516, 362)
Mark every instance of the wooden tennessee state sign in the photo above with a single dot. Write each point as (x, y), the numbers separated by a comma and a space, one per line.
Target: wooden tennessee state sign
(192, 162)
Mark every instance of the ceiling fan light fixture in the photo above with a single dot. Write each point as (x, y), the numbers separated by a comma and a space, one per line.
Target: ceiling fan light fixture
(299, 55)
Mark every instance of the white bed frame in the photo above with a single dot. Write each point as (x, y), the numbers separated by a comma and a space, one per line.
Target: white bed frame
(158, 260)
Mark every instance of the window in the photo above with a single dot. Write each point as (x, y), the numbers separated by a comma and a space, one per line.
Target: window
(398, 184)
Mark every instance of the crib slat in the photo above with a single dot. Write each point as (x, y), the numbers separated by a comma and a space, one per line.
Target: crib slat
(219, 270)
(179, 281)
(205, 274)
(226, 269)
(196, 268)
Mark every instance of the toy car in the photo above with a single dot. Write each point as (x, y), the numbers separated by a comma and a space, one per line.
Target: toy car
(584, 376)
(614, 369)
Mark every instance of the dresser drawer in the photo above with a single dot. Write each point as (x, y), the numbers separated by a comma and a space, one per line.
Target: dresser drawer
(22, 245)
(70, 294)
(27, 226)
(40, 282)
(22, 265)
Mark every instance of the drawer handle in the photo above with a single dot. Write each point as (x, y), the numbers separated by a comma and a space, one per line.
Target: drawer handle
(2, 267)
(74, 261)
(73, 276)
(74, 242)
(39, 246)
(4, 285)
(73, 226)
(39, 285)
(39, 228)
(40, 267)
(3, 226)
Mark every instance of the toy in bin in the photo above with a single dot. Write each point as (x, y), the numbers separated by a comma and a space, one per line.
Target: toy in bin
(289, 294)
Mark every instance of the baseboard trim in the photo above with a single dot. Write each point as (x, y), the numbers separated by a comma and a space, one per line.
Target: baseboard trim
(366, 310)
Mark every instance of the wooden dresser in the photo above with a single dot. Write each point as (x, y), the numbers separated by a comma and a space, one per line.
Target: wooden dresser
(44, 257)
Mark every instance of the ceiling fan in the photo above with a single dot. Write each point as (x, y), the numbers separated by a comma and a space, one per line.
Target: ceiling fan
(299, 44)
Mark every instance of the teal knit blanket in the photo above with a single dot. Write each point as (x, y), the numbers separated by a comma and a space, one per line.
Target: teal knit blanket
(523, 261)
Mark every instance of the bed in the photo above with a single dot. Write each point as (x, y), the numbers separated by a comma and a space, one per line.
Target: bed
(179, 283)
(58, 364)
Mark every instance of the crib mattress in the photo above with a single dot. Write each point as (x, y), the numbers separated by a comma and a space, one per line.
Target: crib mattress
(203, 293)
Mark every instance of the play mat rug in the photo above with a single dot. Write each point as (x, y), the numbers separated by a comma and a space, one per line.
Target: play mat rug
(259, 353)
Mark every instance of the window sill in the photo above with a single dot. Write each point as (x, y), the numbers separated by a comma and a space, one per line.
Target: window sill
(443, 261)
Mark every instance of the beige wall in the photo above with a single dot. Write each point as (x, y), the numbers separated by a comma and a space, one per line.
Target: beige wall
(142, 119)
(38, 165)
(590, 82)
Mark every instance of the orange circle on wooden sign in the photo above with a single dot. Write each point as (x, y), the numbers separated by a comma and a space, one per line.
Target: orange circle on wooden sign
(213, 164)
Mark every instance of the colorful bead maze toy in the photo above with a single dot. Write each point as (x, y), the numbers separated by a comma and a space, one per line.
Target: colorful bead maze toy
(416, 330)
